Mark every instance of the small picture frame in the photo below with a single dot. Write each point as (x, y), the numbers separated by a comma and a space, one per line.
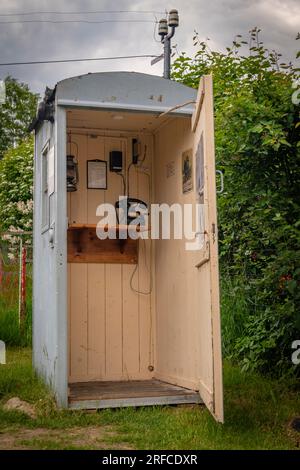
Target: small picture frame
(187, 171)
(96, 174)
(200, 170)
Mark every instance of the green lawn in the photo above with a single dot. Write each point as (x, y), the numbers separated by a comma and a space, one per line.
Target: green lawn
(258, 412)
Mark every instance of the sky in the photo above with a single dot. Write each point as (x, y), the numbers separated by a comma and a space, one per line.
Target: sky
(218, 20)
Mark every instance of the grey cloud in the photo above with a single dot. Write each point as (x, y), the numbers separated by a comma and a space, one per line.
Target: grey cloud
(219, 20)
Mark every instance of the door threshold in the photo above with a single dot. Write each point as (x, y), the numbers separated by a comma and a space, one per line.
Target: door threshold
(117, 394)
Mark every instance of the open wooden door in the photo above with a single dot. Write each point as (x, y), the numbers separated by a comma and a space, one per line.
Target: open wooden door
(210, 380)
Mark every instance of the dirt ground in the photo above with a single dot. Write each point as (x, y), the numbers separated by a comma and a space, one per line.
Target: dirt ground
(73, 438)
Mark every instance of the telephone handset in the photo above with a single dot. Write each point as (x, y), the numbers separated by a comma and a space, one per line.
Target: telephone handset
(131, 210)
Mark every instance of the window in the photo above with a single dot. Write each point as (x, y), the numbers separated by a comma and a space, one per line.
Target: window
(44, 189)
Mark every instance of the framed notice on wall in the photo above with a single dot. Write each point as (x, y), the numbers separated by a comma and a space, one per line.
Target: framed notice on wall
(96, 174)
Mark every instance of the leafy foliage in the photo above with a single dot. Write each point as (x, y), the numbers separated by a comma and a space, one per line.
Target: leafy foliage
(15, 114)
(257, 148)
(16, 186)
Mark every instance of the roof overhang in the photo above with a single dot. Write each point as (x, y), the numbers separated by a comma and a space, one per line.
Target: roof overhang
(126, 91)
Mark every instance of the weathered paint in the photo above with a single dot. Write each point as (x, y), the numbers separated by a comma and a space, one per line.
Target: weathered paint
(136, 93)
(125, 91)
(49, 266)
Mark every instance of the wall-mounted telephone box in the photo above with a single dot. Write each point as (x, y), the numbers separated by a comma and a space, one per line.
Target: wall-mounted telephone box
(116, 161)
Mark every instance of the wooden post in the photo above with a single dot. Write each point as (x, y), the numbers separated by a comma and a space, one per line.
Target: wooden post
(22, 284)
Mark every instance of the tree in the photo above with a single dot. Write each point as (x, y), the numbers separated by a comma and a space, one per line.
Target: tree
(16, 113)
(16, 187)
(257, 148)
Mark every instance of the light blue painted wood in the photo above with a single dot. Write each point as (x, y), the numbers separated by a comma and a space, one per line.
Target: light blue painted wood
(60, 251)
(50, 264)
(129, 91)
(44, 273)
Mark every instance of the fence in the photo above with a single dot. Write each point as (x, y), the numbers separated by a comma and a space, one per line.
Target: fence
(15, 273)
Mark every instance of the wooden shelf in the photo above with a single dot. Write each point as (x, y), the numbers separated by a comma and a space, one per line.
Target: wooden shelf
(118, 228)
(85, 247)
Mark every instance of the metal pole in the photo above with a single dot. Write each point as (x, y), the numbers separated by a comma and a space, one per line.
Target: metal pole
(167, 57)
(167, 53)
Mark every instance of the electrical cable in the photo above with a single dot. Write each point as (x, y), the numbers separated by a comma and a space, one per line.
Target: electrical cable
(82, 12)
(145, 257)
(75, 21)
(145, 154)
(155, 31)
(124, 183)
(70, 142)
(59, 61)
(149, 271)
(128, 175)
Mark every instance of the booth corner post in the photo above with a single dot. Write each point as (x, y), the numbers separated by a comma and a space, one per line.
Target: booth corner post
(166, 36)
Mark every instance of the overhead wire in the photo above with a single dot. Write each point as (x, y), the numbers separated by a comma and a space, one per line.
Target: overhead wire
(58, 61)
(74, 21)
(89, 12)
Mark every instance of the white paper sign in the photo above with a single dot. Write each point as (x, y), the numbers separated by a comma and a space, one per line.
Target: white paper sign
(97, 174)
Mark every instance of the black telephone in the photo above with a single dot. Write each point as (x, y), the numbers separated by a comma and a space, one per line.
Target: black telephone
(130, 210)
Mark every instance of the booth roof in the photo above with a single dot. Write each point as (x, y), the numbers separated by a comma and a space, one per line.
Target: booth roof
(127, 91)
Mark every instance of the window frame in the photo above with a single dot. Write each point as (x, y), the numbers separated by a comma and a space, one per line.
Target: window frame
(45, 197)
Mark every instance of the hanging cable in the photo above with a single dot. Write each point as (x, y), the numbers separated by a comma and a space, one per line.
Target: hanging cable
(74, 21)
(149, 271)
(82, 12)
(124, 183)
(59, 61)
(145, 154)
(128, 177)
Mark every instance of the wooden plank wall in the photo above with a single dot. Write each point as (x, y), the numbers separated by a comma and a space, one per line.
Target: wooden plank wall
(183, 291)
(109, 324)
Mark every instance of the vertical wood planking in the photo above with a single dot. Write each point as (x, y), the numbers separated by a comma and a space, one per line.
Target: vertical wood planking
(95, 150)
(69, 284)
(96, 276)
(131, 326)
(96, 324)
(109, 323)
(179, 294)
(113, 292)
(114, 323)
(79, 320)
(79, 197)
(78, 273)
(144, 271)
(131, 331)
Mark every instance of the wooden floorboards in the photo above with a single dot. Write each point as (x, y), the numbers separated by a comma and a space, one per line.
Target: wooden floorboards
(93, 395)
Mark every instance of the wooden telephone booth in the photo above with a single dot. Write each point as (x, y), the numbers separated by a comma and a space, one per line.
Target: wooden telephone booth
(123, 321)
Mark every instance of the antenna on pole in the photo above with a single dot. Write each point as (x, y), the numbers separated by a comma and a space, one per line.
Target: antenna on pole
(166, 36)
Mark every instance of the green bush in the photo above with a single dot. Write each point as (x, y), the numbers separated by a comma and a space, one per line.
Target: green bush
(16, 187)
(257, 148)
(10, 331)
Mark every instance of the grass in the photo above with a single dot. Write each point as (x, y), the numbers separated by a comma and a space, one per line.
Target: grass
(257, 416)
(10, 331)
